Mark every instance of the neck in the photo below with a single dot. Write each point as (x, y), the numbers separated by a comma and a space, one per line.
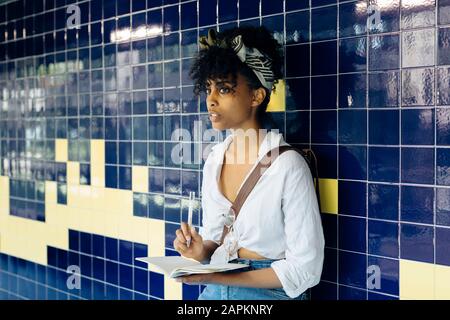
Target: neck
(246, 143)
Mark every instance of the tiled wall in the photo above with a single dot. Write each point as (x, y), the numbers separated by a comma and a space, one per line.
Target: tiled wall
(86, 117)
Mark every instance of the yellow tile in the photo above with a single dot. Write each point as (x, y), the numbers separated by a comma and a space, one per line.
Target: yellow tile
(61, 150)
(51, 194)
(73, 173)
(278, 98)
(4, 195)
(329, 195)
(442, 282)
(140, 179)
(416, 280)
(172, 290)
(98, 163)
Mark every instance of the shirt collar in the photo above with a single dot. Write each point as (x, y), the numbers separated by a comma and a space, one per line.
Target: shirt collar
(271, 140)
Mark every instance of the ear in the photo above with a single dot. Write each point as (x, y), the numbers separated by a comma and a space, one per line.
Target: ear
(258, 97)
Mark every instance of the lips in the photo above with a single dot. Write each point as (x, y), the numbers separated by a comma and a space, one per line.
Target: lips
(214, 116)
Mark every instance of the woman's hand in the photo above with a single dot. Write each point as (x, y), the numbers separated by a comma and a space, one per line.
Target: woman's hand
(195, 249)
(196, 279)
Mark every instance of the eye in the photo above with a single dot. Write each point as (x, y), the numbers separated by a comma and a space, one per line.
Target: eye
(224, 90)
(208, 91)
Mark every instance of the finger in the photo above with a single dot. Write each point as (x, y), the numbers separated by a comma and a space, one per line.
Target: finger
(186, 232)
(180, 246)
(180, 236)
(195, 234)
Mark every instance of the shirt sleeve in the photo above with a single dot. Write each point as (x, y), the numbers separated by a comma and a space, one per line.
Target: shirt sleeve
(302, 266)
(212, 224)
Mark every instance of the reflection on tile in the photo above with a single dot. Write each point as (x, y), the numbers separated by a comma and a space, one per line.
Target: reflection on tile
(353, 18)
(443, 86)
(418, 13)
(418, 48)
(418, 127)
(443, 126)
(297, 27)
(444, 11)
(352, 90)
(416, 242)
(443, 166)
(417, 205)
(323, 23)
(352, 55)
(389, 15)
(384, 52)
(383, 202)
(418, 87)
(418, 165)
(384, 164)
(384, 89)
(443, 206)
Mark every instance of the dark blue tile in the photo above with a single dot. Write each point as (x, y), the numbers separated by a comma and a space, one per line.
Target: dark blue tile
(141, 280)
(228, 10)
(350, 293)
(418, 48)
(140, 205)
(207, 12)
(444, 11)
(384, 52)
(326, 155)
(172, 182)
(418, 165)
(271, 6)
(297, 27)
(111, 176)
(352, 269)
(156, 180)
(443, 126)
(324, 23)
(298, 60)
(125, 252)
(98, 269)
(443, 166)
(390, 275)
(125, 294)
(98, 245)
(384, 89)
(156, 207)
(126, 277)
(111, 249)
(443, 206)
(297, 127)
(170, 229)
(124, 129)
(139, 251)
(416, 243)
(112, 272)
(352, 90)
(74, 240)
(324, 291)
(352, 55)
(352, 127)
(172, 210)
(382, 122)
(190, 181)
(125, 153)
(352, 233)
(52, 256)
(353, 162)
(86, 265)
(384, 164)
(323, 58)
(188, 15)
(156, 284)
(352, 198)
(443, 246)
(329, 223)
(418, 127)
(353, 18)
(190, 292)
(323, 126)
(171, 19)
(248, 8)
(383, 238)
(85, 243)
(320, 100)
(329, 272)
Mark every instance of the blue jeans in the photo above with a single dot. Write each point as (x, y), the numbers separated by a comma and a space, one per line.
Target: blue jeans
(223, 292)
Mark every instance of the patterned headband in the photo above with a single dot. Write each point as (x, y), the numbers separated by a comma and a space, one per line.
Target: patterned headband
(260, 63)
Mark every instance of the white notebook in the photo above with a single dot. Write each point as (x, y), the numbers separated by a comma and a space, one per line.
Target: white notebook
(176, 266)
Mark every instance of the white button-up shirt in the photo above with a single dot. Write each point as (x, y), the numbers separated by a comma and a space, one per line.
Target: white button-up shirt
(280, 219)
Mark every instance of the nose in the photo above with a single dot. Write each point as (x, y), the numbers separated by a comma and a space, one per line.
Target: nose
(211, 98)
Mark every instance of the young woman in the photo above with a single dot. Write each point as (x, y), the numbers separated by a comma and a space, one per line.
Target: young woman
(278, 231)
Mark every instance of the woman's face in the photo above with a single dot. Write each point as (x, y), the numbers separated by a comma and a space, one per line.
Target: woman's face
(232, 107)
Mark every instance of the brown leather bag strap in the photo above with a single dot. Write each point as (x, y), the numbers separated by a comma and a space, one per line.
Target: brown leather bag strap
(252, 179)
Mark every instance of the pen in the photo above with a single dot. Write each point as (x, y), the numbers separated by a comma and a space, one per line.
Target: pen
(191, 204)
